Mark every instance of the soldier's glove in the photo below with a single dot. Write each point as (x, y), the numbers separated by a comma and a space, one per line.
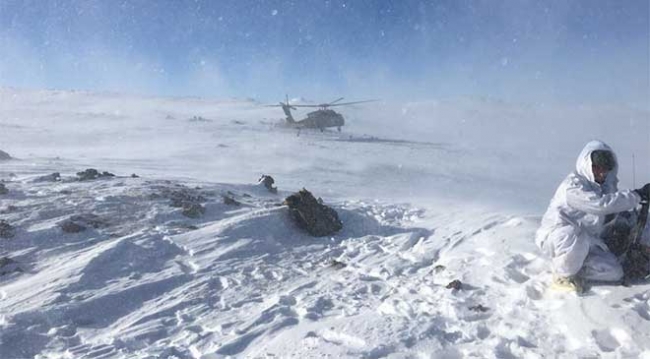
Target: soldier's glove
(644, 192)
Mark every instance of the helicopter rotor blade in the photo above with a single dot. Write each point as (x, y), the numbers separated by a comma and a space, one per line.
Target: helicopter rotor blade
(282, 104)
(352, 103)
(335, 101)
(321, 106)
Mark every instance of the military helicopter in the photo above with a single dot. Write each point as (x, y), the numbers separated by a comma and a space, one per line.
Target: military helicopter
(321, 118)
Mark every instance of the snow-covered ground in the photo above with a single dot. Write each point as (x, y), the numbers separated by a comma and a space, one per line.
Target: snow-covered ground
(428, 192)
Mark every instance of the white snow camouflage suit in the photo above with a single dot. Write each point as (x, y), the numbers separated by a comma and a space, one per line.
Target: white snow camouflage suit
(572, 225)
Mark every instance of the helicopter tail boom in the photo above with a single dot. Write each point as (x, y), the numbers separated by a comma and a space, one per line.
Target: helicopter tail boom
(287, 111)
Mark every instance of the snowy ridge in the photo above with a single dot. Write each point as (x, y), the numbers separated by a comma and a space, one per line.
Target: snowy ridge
(143, 280)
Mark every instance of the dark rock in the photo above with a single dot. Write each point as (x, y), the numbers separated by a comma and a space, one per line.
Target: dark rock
(71, 227)
(133, 175)
(314, 217)
(479, 308)
(4, 156)
(91, 174)
(439, 268)
(268, 182)
(3, 189)
(6, 229)
(193, 210)
(455, 284)
(199, 119)
(338, 265)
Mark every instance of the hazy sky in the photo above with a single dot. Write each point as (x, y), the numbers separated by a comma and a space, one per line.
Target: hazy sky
(535, 51)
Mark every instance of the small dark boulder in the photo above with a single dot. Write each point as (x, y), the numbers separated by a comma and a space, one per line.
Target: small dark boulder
(6, 229)
(455, 284)
(479, 308)
(3, 189)
(311, 215)
(337, 264)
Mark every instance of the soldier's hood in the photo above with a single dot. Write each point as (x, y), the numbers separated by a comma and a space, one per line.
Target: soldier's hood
(583, 164)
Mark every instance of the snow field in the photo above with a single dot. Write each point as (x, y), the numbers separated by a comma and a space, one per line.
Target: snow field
(145, 281)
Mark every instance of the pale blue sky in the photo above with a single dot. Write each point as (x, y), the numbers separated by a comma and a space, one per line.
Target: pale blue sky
(522, 50)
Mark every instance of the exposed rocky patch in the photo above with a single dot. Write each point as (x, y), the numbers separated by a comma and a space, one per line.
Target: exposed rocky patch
(79, 223)
(193, 210)
(183, 196)
(92, 174)
(52, 177)
(190, 200)
(3, 189)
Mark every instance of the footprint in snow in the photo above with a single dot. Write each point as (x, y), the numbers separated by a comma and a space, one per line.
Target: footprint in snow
(611, 339)
(535, 291)
(643, 309)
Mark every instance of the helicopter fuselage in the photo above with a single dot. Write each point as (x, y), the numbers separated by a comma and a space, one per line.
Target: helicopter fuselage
(320, 119)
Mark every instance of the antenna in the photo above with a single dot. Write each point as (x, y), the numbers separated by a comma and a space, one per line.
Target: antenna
(633, 172)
